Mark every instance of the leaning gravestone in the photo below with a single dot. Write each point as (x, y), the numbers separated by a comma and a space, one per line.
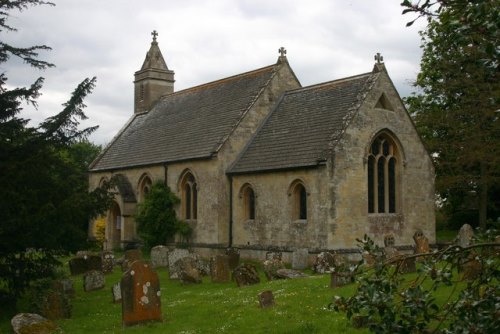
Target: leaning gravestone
(246, 274)
(220, 269)
(93, 280)
(23, 323)
(174, 256)
(159, 256)
(117, 293)
(140, 290)
(299, 258)
(465, 235)
(266, 299)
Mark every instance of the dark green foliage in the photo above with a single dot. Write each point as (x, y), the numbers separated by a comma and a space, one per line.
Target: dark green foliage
(156, 219)
(393, 303)
(456, 107)
(45, 205)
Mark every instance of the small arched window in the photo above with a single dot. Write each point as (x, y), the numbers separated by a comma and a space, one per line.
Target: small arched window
(145, 185)
(382, 175)
(249, 203)
(189, 199)
(299, 201)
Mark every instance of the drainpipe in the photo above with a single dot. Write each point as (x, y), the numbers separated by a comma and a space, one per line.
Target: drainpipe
(230, 211)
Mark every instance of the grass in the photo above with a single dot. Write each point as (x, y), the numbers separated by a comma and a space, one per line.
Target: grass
(446, 235)
(301, 307)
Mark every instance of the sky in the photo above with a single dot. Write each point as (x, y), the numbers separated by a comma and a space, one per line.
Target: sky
(202, 41)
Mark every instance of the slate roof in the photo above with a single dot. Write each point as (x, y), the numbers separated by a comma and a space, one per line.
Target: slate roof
(185, 125)
(305, 124)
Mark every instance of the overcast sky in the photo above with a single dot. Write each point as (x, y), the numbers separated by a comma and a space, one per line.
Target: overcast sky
(202, 41)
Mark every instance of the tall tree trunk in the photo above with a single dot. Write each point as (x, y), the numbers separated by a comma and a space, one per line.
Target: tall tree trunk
(483, 197)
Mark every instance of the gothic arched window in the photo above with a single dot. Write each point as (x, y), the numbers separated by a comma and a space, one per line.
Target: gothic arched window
(383, 175)
(145, 185)
(299, 201)
(189, 199)
(249, 202)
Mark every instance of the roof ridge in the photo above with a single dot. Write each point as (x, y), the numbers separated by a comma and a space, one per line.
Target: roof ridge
(213, 83)
(326, 83)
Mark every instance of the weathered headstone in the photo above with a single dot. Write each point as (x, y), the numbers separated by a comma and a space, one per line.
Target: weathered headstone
(140, 290)
(116, 292)
(266, 299)
(159, 256)
(391, 253)
(421, 243)
(464, 237)
(471, 268)
(54, 304)
(271, 267)
(274, 256)
(220, 269)
(300, 258)
(23, 323)
(174, 256)
(233, 257)
(93, 280)
(246, 274)
(108, 261)
(64, 285)
(389, 241)
(289, 273)
(188, 271)
(326, 262)
(77, 266)
(340, 278)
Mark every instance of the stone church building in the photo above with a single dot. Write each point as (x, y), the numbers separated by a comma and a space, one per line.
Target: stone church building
(261, 163)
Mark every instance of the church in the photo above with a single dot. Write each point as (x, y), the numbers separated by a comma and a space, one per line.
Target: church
(261, 163)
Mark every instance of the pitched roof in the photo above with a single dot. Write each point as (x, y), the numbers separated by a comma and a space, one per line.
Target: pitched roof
(305, 124)
(185, 125)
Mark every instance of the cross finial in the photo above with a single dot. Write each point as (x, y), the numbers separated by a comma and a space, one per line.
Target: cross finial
(154, 34)
(282, 51)
(379, 58)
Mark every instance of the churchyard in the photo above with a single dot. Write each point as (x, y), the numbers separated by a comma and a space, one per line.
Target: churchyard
(177, 291)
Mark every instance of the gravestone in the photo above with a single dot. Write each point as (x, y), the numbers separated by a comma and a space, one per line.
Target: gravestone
(271, 267)
(140, 290)
(299, 258)
(266, 299)
(465, 235)
(159, 256)
(233, 255)
(471, 268)
(325, 262)
(108, 261)
(220, 269)
(77, 266)
(246, 274)
(289, 273)
(340, 278)
(93, 280)
(274, 256)
(368, 259)
(94, 262)
(65, 285)
(187, 271)
(23, 323)
(174, 256)
(421, 243)
(389, 241)
(116, 292)
(54, 304)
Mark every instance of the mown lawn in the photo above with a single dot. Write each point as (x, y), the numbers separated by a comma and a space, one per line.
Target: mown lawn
(301, 307)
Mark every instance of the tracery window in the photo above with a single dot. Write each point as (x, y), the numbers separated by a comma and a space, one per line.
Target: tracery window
(189, 199)
(383, 175)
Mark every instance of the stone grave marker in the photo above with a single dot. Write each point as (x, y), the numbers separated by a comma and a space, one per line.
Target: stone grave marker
(299, 258)
(32, 323)
(159, 256)
(187, 269)
(464, 237)
(271, 267)
(174, 256)
(116, 292)
(324, 263)
(274, 255)
(421, 244)
(77, 266)
(246, 274)
(140, 290)
(289, 273)
(266, 299)
(340, 279)
(220, 270)
(233, 257)
(93, 280)
(65, 285)
(54, 305)
(108, 261)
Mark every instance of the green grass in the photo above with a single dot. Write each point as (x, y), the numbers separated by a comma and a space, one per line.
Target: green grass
(301, 307)
(446, 235)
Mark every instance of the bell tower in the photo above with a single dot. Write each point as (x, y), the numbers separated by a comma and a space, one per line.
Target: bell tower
(153, 80)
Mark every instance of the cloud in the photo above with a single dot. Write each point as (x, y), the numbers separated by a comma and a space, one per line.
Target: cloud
(203, 41)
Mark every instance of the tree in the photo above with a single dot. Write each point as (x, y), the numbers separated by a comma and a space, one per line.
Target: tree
(156, 219)
(456, 107)
(44, 200)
